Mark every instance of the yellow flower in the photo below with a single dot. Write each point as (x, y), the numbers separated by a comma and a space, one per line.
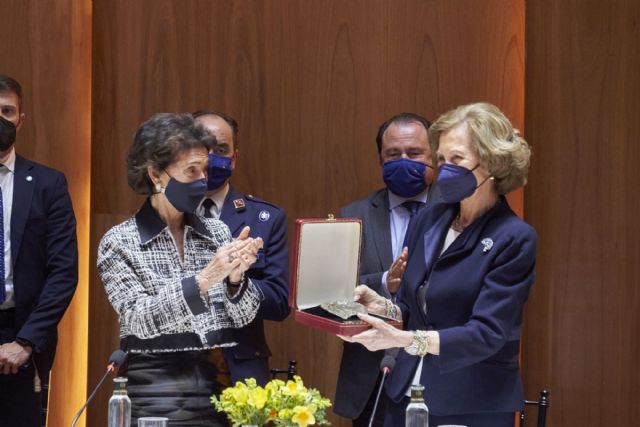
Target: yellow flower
(302, 416)
(258, 398)
(284, 413)
(275, 384)
(240, 395)
(292, 387)
(283, 403)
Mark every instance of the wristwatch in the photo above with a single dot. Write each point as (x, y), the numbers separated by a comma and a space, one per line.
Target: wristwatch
(419, 344)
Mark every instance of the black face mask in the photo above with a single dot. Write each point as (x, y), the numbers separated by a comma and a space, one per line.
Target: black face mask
(7, 134)
(185, 196)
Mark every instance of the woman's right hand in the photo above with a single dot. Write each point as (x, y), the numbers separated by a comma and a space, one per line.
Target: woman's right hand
(373, 302)
(229, 258)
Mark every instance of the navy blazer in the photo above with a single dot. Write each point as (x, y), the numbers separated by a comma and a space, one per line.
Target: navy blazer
(359, 367)
(475, 297)
(44, 253)
(269, 272)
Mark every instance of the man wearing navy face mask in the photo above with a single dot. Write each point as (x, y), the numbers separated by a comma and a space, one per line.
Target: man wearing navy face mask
(38, 269)
(270, 271)
(406, 161)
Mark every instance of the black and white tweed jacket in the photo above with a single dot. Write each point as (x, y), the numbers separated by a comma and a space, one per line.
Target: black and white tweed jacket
(155, 293)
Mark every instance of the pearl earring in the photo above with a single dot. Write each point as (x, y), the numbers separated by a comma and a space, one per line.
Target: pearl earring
(159, 188)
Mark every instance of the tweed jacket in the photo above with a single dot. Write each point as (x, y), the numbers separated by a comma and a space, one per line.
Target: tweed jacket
(155, 292)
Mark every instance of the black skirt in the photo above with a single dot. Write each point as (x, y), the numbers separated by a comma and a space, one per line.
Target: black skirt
(174, 385)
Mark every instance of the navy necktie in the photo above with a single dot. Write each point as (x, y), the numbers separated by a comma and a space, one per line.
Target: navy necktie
(2, 290)
(413, 206)
(207, 205)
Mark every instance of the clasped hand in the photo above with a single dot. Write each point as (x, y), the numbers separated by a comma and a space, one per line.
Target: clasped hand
(12, 356)
(231, 260)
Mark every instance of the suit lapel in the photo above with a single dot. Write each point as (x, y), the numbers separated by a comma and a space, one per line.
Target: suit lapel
(471, 235)
(23, 188)
(426, 253)
(234, 218)
(382, 229)
(433, 238)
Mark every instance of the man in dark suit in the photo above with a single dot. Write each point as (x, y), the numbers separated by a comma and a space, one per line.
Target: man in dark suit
(250, 358)
(39, 271)
(406, 161)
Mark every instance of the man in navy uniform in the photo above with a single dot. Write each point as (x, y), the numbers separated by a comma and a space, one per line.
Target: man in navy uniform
(38, 270)
(270, 271)
(406, 161)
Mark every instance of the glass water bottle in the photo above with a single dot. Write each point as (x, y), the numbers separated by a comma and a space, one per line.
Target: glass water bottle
(120, 404)
(417, 414)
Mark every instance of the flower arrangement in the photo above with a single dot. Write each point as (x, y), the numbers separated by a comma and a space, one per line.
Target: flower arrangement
(281, 403)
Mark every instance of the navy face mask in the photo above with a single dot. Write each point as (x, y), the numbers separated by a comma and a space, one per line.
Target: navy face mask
(7, 134)
(404, 177)
(219, 170)
(185, 196)
(455, 183)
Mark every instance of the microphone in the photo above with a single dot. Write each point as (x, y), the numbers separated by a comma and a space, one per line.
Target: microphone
(386, 366)
(115, 360)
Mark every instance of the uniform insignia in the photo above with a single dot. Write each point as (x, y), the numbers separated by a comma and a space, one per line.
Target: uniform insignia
(264, 216)
(239, 204)
(487, 244)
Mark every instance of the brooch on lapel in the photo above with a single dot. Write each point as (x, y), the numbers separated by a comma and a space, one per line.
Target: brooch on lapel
(487, 244)
(263, 216)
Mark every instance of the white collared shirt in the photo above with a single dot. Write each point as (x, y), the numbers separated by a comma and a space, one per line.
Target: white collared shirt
(398, 224)
(218, 201)
(7, 173)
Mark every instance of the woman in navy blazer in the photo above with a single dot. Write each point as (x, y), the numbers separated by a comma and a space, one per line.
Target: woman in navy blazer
(471, 264)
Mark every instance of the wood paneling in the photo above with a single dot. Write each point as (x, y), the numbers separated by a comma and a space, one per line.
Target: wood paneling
(582, 110)
(46, 45)
(309, 83)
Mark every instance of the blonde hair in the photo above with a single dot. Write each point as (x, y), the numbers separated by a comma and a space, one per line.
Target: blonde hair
(501, 149)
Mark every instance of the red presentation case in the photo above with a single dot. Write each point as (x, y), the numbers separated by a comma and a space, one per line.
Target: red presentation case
(325, 267)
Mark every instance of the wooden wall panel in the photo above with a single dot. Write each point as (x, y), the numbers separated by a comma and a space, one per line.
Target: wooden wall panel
(309, 83)
(582, 110)
(46, 45)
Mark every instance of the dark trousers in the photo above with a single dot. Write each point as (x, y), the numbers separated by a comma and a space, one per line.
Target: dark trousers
(19, 403)
(378, 421)
(396, 417)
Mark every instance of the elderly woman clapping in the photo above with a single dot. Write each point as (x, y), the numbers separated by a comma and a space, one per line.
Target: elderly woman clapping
(176, 280)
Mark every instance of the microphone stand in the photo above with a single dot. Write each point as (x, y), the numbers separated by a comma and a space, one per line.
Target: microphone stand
(385, 371)
(111, 367)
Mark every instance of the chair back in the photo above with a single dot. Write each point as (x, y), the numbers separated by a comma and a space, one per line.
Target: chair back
(543, 404)
(291, 371)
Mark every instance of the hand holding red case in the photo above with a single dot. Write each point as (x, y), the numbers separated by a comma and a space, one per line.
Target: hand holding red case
(325, 267)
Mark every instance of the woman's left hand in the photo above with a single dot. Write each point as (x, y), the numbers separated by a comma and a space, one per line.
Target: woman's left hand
(246, 253)
(381, 336)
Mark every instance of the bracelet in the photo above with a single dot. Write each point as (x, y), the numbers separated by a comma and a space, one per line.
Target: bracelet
(419, 344)
(391, 309)
(235, 285)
